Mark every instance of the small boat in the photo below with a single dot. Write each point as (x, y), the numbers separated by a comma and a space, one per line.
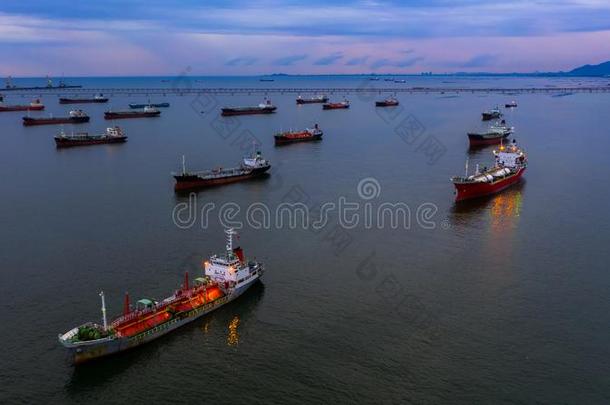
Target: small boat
(491, 114)
(374, 79)
(264, 79)
(311, 100)
(224, 278)
(388, 102)
(336, 106)
(308, 134)
(97, 99)
(35, 105)
(249, 168)
(512, 104)
(112, 135)
(263, 108)
(388, 79)
(144, 113)
(494, 134)
(510, 164)
(400, 81)
(154, 105)
(74, 117)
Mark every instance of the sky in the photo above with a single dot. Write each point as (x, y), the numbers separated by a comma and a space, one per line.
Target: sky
(239, 37)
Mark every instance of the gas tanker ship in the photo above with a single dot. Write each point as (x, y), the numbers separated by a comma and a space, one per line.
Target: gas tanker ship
(225, 278)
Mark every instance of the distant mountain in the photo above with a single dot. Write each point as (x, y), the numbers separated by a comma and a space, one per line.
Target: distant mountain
(603, 69)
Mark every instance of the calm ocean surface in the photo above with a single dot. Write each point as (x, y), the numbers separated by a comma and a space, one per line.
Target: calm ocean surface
(504, 301)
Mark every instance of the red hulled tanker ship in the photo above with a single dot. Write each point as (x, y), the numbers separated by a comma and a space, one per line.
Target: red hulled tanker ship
(508, 169)
(336, 106)
(224, 278)
(308, 134)
(112, 135)
(388, 102)
(35, 105)
(74, 117)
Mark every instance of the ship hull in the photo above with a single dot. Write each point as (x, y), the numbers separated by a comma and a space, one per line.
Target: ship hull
(490, 116)
(159, 105)
(68, 143)
(334, 106)
(385, 104)
(82, 101)
(21, 108)
(194, 182)
(227, 112)
(28, 122)
(311, 101)
(466, 191)
(284, 141)
(130, 114)
(483, 139)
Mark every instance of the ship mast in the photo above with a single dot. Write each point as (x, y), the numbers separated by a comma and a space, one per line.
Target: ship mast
(230, 232)
(104, 311)
(183, 165)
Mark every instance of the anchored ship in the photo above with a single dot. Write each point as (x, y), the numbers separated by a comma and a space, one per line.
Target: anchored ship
(336, 106)
(491, 114)
(494, 134)
(112, 135)
(250, 167)
(312, 100)
(509, 166)
(74, 117)
(35, 105)
(388, 102)
(512, 104)
(225, 278)
(97, 99)
(155, 105)
(308, 134)
(145, 112)
(262, 108)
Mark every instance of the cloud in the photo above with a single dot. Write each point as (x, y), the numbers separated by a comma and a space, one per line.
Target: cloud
(329, 60)
(243, 61)
(357, 61)
(402, 63)
(289, 60)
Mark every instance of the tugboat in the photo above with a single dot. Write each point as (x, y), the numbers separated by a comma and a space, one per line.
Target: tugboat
(250, 167)
(97, 99)
(512, 104)
(145, 112)
(491, 114)
(309, 134)
(74, 117)
(336, 106)
(312, 100)
(495, 134)
(388, 102)
(509, 167)
(35, 105)
(112, 135)
(262, 108)
(224, 278)
(155, 105)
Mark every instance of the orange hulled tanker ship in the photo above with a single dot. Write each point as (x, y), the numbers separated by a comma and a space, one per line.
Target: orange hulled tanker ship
(225, 278)
(35, 105)
(308, 134)
(508, 169)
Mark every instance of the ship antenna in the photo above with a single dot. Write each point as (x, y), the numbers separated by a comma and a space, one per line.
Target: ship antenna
(104, 310)
(230, 232)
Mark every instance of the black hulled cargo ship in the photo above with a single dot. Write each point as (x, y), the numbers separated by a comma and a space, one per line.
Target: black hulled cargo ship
(97, 99)
(75, 117)
(262, 108)
(144, 113)
(112, 135)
